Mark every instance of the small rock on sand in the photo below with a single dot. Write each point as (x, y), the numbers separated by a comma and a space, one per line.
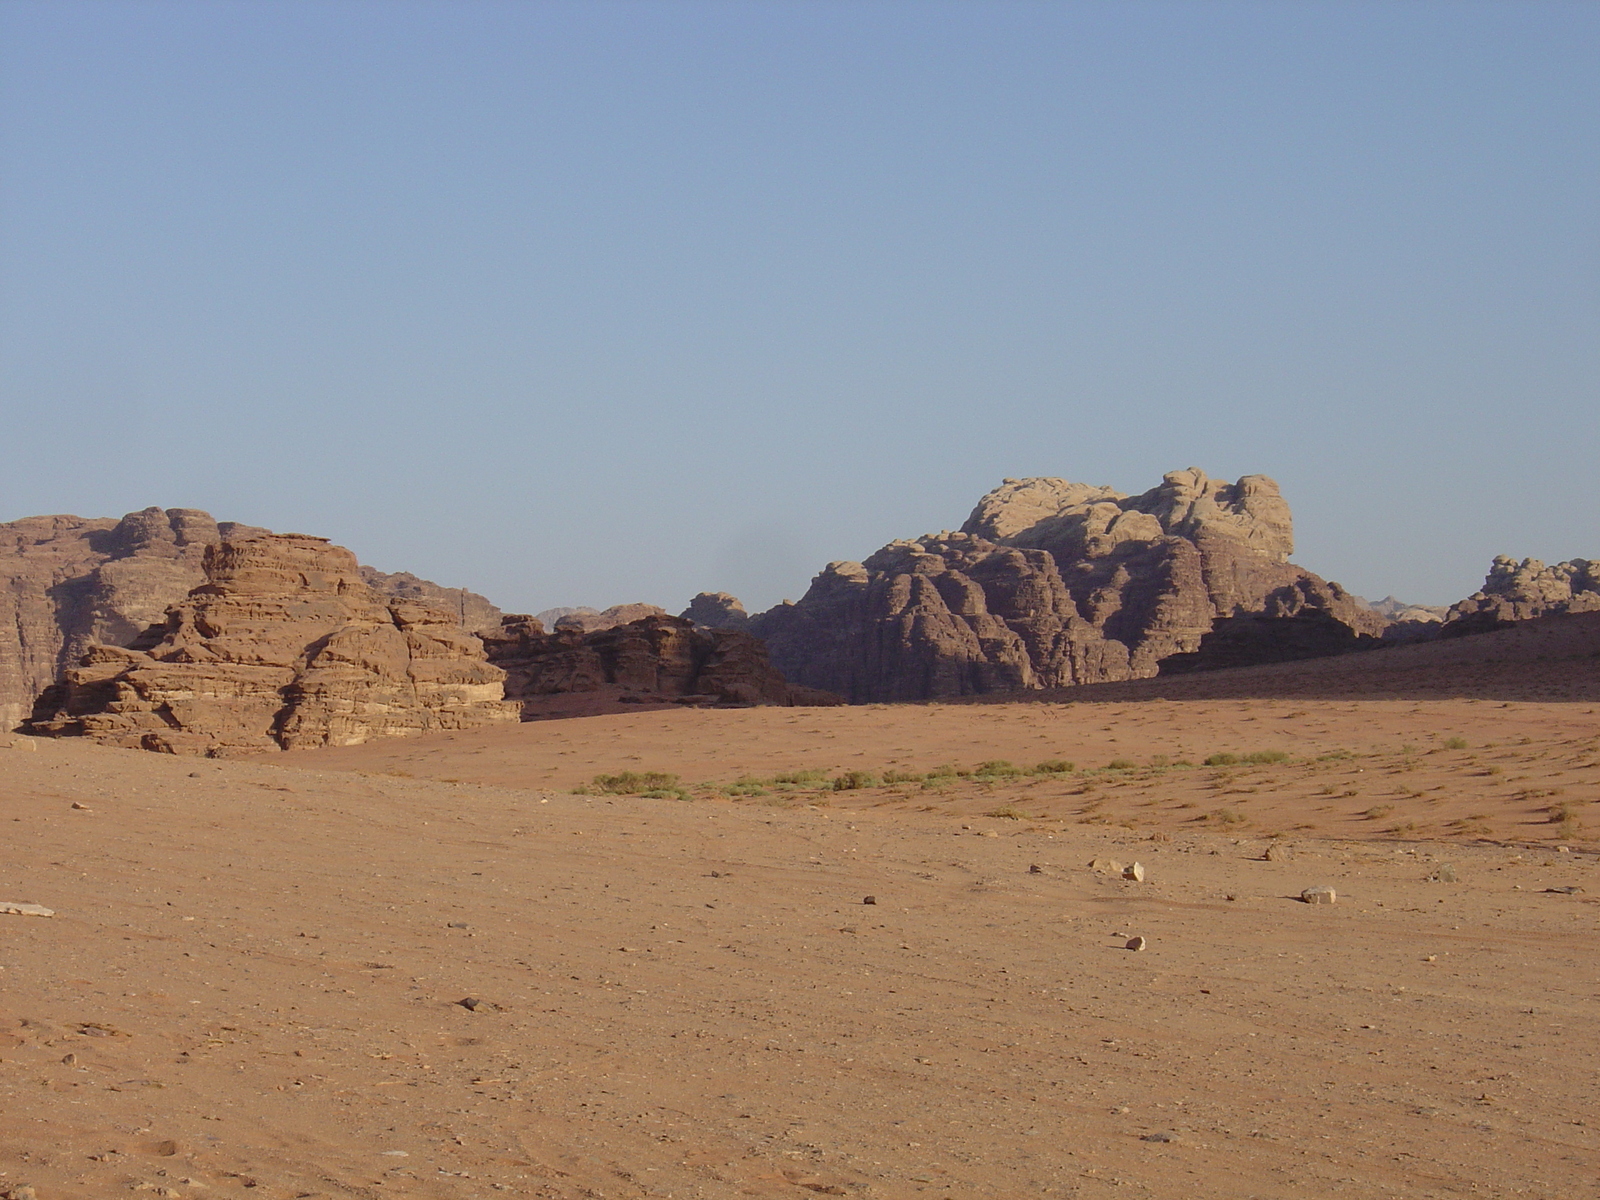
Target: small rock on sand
(1445, 874)
(1134, 871)
(1278, 852)
(1136, 943)
(1106, 866)
(1319, 895)
(25, 910)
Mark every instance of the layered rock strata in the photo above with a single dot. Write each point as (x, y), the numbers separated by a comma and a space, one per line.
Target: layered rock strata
(67, 583)
(656, 657)
(1051, 584)
(283, 646)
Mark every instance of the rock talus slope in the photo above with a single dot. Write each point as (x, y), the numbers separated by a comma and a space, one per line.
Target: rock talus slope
(284, 646)
(1050, 584)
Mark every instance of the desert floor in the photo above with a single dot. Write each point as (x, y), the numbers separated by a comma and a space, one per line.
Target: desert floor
(253, 976)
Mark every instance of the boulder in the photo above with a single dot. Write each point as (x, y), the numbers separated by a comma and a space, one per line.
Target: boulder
(283, 646)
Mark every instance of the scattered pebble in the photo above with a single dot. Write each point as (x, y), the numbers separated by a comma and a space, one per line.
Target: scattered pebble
(869, 899)
(81, 807)
(1159, 1137)
(1320, 895)
(1136, 943)
(470, 1003)
(1035, 869)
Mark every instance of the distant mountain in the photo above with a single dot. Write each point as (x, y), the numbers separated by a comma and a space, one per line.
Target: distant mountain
(1051, 583)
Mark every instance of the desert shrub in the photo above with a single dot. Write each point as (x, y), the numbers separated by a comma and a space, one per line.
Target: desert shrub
(1054, 766)
(852, 780)
(901, 777)
(1563, 813)
(1121, 764)
(746, 787)
(1455, 743)
(1226, 816)
(1222, 760)
(1008, 812)
(944, 771)
(800, 777)
(637, 783)
(1266, 756)
(996, 766)
(1377, 811)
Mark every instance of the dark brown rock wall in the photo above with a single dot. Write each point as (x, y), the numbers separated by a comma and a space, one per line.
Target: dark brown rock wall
(656, 656)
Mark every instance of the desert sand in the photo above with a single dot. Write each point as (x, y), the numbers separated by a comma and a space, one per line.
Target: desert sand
(252, 982)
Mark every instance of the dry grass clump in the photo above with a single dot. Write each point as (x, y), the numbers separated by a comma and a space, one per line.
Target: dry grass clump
(1254, 758)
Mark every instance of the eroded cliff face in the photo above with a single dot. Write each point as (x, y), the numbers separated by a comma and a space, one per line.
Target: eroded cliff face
(67, 583)
(655, 657)
(283, 645)
(1050, 584)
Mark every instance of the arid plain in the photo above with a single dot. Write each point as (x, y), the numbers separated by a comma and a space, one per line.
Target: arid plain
(253, 981)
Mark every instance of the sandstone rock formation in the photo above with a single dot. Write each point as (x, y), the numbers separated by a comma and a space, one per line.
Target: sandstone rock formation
(1050, 584)
(1516, 591)
(284, 645)
(656, 656)
(1395, 609)
(589, 621)
(67, 583)
(472, 612)
(716, 610)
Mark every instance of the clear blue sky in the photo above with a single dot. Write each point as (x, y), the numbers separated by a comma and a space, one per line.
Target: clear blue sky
(582, 303)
